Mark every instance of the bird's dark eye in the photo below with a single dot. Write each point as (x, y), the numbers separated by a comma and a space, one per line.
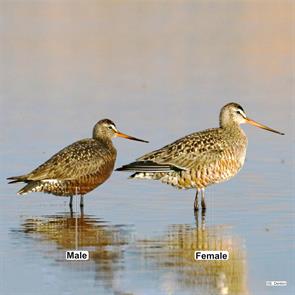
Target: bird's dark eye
(238, 112)
(110, 127)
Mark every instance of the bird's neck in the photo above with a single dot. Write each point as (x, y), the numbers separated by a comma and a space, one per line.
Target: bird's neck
(231, 126)
(104, 139)
(234, 130)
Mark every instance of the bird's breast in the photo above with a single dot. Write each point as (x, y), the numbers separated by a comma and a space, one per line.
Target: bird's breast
(215, 170)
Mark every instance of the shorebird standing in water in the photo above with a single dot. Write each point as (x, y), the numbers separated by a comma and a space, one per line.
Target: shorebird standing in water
(77, 169)
(202, 158)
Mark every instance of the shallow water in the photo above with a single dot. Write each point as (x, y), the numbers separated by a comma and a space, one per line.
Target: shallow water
(160, 70)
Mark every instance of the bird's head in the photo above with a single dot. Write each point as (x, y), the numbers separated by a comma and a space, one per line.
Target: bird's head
(106, 128)
(233, 113)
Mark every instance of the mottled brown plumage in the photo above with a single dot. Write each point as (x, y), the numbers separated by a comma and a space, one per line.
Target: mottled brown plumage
(202, 158)
(78, 168)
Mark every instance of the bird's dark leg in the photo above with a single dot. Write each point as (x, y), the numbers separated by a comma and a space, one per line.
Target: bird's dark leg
(196, 214)
(203, 200)
(196, 202)
(71, 205)
(81, 201)
(71, 202)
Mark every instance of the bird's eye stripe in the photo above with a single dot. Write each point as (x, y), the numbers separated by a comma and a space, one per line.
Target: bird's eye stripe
(240, 112)
(112, 127)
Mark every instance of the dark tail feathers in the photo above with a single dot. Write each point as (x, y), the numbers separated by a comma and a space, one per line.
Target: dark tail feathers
(14, 179)
(148, 166)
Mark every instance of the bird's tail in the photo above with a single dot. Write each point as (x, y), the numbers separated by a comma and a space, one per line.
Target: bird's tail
(148, 166)
(14, 179)
(32, 186)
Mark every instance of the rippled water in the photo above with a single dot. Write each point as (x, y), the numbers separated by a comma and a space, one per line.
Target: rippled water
(160, 70)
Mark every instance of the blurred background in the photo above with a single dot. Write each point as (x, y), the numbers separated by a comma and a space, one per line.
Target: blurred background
(159, 70)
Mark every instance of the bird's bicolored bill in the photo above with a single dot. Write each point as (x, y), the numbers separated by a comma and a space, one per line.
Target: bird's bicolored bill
(120, 134)
(254, 123)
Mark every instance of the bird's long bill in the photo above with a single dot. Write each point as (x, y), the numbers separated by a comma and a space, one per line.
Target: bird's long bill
(254, 123)
(129, 137)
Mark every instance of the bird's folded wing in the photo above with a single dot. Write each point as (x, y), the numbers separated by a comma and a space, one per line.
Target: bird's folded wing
(78, 159)
(188, 151)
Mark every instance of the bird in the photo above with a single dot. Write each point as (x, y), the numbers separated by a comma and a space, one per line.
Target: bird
(78, 168)
(200, 159)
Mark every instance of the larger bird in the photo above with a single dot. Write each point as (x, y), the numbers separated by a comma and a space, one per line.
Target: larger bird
(202, 158)
(78, 168)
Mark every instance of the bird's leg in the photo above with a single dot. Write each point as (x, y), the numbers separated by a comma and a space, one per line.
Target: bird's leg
(81, 201)
(71, 202)
(71, 205)
(196, 202)
(203, 199)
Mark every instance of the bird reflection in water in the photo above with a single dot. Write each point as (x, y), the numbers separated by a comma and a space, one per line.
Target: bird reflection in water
(174, 253)
(170, 255)
(104, 242)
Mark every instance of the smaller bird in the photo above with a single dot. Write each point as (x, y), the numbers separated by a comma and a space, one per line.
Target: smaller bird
(78, 168)
(201, 158)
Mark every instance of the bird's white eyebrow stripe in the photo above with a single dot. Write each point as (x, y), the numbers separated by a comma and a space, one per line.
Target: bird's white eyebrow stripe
(112, 126)
(243, 113)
